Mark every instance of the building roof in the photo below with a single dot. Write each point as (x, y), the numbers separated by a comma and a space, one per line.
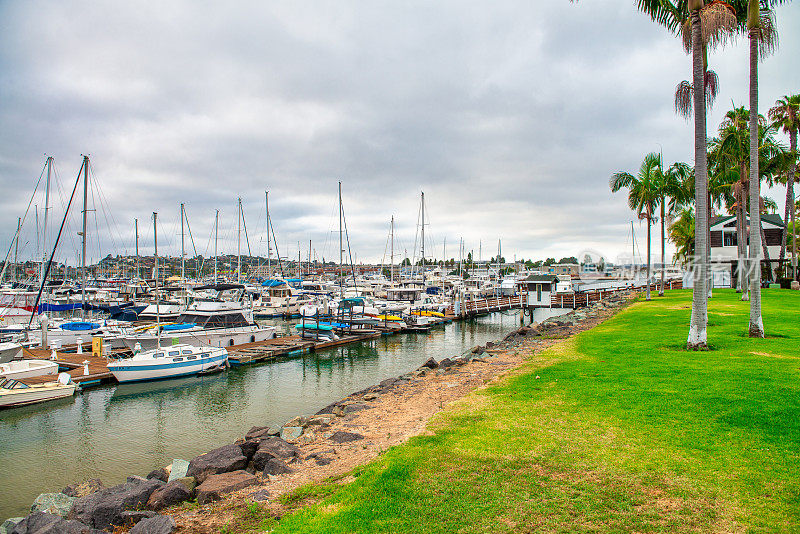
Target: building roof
(542, 278)
(770, 218)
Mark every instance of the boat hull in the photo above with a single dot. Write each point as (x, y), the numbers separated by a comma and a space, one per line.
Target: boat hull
(35, 395)
(139, 371)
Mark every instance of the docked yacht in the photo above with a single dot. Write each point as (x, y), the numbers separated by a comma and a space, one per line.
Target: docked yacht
(168, 362)
(207, 323)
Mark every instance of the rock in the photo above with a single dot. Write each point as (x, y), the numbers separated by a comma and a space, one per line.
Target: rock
(257, 432)
(53, 503)
(160, 524)
(131, 517)
(479, 360)
(321, 420)
(489, 345)
(370, 397)
(174, 492)
(83, 489)
(249, 447)
(322, 460)
(104, 508)
(9, 524)
(300, 421)
(159, 474)
(307, 437)
(43, 523)
(275, 467)
(178, 469)
(387, 383)
(215, 486)
(338, 411)
(430, 363)
(352, 408)
(340, 436)
(291, 433)
(258, 496)
(460, 361)
(445, 363)
(222, 460)
(136, 478)
(273, 448)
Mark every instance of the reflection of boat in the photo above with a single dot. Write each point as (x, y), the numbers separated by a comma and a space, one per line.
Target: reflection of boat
(168, 362)
(10, 351)
(28, 368)
(14, 393)
(157, 387)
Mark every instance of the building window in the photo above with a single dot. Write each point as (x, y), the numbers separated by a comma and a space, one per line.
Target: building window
(538, 293)
(729, 239)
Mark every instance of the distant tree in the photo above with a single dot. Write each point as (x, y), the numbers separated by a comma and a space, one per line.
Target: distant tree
(571, 259)
(406, 262)
(549, 261)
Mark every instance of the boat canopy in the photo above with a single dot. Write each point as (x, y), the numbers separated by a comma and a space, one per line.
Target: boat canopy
(272, 283)
(79, 326)
(179, 326)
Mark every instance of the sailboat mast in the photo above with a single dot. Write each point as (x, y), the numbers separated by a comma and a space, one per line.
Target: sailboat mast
(183, 252)
(239, 244)
(391, 259)
(46, 210)
(422, 250)
(83, 234)
(309, 258)
(216, 235)
(16, 249)
(269, 243)
(136, 231)
(155, 256)
(341, 249)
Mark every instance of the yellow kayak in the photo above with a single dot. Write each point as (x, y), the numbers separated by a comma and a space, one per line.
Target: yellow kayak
(389, 318)
(426, 313)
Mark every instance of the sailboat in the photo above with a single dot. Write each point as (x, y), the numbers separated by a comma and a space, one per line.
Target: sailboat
(170, 362)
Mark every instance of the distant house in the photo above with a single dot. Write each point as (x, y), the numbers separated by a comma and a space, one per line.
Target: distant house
(724, 239)
(564, 268)
(538, 289)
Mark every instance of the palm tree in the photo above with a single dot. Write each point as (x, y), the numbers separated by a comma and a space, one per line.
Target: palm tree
(676, 192)
(645, 193)
(706, 24)
(681, 233)
(785, 114)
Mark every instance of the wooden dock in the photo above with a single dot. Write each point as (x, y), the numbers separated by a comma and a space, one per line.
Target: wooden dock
(73, 362)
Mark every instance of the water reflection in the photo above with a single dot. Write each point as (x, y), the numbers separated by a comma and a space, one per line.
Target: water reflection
(111, 432)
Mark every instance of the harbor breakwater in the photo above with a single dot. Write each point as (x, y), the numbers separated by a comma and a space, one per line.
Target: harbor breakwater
(268, 462)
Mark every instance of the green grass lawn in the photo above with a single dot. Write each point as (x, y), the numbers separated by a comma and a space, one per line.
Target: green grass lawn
(616, 430)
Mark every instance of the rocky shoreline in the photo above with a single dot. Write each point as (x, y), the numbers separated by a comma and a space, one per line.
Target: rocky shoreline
(269, 462)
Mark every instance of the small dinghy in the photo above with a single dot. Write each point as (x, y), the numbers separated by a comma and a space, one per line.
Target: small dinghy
(15, 393)
(27, 368)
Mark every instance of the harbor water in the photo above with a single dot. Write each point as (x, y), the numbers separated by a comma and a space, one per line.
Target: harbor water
(114, 431)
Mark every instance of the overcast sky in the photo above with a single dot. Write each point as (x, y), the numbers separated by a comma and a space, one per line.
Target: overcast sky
(510, 116)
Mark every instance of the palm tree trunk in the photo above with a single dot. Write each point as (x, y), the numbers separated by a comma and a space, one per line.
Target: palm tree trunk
(756, 324)
(649, 225)
(741, 242)
(788, 211)
(708, 248)
(663, 263)
(697, 329)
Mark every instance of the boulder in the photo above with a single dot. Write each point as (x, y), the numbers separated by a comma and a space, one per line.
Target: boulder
(131, 517)
(215, 486)
(9, 524)
(159, 474)
(291, 433)
(273, 448)
(83, 489)
(276, 467)
(260, 495)
(300, 420)
(222, 460)
(340, 436)
(321, 420)
(257, 432)
(430, 364)
(104, 508)
(159, 524)
(370, 397)
(43, 523)
(352, 408)
(338, 410)
(322, 460)
(445, 363)
(177, 491)
(53, 503)
(249, 447)
(178, 469)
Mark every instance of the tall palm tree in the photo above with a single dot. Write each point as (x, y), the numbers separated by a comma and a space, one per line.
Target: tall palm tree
(706, 24)
(676, 193)
(681, 233)
(786, 115)
(645, 193)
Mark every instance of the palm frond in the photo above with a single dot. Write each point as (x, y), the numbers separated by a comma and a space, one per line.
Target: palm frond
(684, 95)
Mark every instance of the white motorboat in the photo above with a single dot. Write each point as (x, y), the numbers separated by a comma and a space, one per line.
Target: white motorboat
(15, 393)
(10, 351)
(168, 362)
(209, 323)
(27, 368)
